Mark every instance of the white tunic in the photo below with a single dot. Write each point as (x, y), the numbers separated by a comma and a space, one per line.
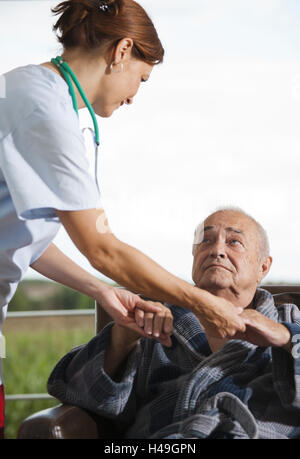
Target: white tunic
(43, 166)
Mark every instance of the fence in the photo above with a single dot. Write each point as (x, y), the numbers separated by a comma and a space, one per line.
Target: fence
(50, 321)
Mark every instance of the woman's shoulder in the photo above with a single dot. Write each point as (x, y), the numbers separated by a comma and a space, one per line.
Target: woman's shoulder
(35, 83)
(32, 88)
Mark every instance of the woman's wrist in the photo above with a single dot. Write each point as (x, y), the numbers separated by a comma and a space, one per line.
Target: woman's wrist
(198, 300)
(98, 289)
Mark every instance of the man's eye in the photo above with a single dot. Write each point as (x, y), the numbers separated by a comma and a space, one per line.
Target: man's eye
(235, 242)
(205, 240)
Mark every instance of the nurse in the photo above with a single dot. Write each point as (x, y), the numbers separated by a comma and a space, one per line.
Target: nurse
(111, 47)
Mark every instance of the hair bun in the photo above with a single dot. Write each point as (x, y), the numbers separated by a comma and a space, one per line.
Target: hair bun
(108, 6)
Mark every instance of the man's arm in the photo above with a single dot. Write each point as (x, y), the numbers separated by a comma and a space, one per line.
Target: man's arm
(121, 343)
(265, 332)
(123, 340)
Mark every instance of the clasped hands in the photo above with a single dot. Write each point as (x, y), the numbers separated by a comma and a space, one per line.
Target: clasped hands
(259, 329)
(135, 317)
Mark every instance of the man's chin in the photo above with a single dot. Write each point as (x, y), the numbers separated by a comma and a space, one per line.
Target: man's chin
(213, 285)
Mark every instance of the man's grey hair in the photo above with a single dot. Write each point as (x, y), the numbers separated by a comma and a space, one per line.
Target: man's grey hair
(264, 247)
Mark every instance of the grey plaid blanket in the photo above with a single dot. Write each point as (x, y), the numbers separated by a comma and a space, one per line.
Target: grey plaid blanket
(186, 391)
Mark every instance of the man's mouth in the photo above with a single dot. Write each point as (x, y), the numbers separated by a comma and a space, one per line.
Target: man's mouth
(218, 266)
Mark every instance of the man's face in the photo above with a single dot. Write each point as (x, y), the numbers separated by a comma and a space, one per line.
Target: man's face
(227, 256)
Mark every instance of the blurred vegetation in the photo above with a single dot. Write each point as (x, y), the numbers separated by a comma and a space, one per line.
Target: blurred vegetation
(30, 358)
(35, 295)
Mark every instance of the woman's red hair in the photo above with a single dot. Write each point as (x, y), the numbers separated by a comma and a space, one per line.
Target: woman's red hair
(91, 24)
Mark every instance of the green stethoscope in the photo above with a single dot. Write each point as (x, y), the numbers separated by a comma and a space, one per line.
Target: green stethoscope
(69, 75)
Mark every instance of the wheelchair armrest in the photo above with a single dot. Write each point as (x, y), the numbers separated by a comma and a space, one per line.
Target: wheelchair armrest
(62, 421)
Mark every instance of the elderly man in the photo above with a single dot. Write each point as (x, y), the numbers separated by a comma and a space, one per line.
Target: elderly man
(193, 385)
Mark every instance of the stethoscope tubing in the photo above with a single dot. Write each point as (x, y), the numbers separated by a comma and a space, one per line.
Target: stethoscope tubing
(69, 75)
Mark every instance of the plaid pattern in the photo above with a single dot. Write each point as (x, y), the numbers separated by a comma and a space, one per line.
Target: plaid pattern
(186, 391)
(1, 412)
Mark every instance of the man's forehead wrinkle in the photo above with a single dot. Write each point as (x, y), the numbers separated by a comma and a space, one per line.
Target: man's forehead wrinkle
(228, 229)
(235, 230)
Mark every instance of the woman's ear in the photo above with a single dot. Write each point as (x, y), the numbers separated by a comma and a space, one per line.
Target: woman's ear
(122, 51)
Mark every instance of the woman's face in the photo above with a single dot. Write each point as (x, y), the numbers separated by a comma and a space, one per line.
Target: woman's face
(119, 85)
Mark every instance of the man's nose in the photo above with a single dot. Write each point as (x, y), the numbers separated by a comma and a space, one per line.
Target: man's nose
(129, 101)
(218, 250)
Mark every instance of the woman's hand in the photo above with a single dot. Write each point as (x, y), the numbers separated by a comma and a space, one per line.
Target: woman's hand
(128, 310)
(219, 318)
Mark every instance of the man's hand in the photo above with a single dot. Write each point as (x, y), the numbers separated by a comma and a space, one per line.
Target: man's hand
(158, 325)
(262, 331)
(129, 310)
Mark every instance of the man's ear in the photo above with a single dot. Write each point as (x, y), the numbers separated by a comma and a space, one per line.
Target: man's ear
(265, 265)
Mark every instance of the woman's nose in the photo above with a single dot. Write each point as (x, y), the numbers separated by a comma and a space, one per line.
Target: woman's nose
(129, 101)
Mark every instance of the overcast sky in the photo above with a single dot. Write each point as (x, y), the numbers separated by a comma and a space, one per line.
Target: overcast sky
(217, 124)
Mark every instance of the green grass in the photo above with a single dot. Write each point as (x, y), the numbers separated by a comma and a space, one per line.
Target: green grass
(30, 358)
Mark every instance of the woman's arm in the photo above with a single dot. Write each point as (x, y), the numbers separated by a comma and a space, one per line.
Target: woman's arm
(55, 265)
(123, 306)
(137, 272)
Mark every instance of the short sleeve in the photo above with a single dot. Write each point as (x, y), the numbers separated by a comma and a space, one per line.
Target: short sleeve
(45, 165)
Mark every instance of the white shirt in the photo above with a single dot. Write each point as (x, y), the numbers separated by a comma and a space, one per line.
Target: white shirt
(43, 166)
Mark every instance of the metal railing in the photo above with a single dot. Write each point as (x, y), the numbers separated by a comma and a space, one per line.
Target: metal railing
(18, 397)
(50, 314)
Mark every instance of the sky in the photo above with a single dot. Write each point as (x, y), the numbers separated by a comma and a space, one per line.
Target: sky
(217, 124)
